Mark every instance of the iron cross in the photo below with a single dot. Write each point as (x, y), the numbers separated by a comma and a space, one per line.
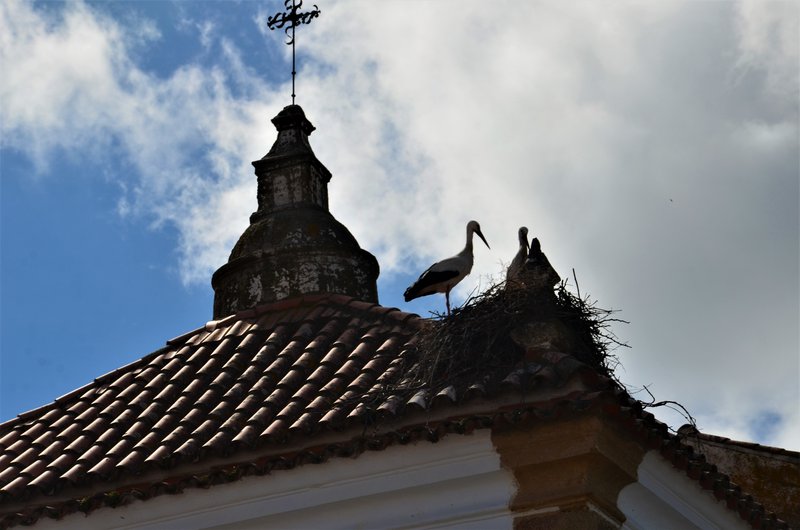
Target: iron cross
(291, 19)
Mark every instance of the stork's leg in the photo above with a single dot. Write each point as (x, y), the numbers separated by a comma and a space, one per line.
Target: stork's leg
(447, 299)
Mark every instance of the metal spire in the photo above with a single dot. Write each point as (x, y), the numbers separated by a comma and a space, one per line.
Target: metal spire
(293, 18)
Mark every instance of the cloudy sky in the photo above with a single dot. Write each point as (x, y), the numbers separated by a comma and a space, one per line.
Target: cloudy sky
(651, 146)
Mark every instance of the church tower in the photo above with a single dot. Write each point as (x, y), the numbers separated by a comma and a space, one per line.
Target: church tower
(293, 246)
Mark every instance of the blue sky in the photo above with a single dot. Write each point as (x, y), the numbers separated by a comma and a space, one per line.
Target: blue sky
(86, 289)
(652, 147)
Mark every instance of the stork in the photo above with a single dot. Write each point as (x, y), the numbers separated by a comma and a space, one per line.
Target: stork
(518, 263)
(535, 253)
(539, 274)
(442, 276)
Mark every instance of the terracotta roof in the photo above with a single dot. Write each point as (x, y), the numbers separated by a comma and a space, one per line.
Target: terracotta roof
(259, 377)
(282, 372)
(255, 377)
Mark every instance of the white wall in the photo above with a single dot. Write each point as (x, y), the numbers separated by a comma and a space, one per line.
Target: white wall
(664, 498)
(455, 483)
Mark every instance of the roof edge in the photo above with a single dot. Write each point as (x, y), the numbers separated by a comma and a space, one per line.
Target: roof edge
(617, 405)
(28, 414)
(691, 432)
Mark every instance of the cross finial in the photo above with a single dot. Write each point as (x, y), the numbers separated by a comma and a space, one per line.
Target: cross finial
(293, 18)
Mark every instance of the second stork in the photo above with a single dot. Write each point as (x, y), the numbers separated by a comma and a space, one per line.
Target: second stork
(518, 263)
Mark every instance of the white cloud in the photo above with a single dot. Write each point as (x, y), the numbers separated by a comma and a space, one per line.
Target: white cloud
(768, 36)
(57, 78)
(628, 137)
(206, 29)
(70, 84)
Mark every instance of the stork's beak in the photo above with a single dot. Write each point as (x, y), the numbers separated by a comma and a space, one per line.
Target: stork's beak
(480, 235)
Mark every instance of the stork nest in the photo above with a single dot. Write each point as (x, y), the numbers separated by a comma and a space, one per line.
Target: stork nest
(479, 343)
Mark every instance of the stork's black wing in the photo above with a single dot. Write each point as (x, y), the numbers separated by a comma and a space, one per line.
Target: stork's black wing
(428, 279)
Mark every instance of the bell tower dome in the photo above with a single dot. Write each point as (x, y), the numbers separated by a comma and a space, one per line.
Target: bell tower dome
(293, 246)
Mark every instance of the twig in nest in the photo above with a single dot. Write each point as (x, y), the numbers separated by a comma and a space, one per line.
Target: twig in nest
(672, 405)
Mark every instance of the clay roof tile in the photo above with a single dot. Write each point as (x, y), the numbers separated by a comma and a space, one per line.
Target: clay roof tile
(103, 468)
(90, 457)
(168, 393)
(16, 487)
(7, 475)
(161, 455)
(65, 461)
(277, 430)
(304, 424)
(293, 379)
(132, 461)
(8, 438)
(177, 436)
(46, 481)
(363, 382)
(247, 436)
(392, 406)
(219, 443)
(80, 445)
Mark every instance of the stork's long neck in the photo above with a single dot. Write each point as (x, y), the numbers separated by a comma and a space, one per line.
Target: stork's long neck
(468, 247)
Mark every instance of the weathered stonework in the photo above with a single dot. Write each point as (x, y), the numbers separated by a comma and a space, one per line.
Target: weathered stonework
(293, 246)
(574, 475)
(769, 474)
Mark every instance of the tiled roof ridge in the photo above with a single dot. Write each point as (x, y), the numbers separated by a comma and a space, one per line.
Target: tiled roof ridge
(616, 403)
(284, 305)
(294, 302)
(690, 431)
